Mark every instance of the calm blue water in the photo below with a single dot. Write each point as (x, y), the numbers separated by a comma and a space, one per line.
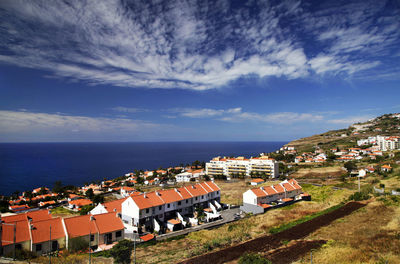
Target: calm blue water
(24, 166)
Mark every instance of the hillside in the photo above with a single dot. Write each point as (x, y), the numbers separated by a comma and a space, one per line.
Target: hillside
(388, 124)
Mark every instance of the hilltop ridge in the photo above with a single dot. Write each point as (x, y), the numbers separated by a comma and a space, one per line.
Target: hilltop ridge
(386, 125)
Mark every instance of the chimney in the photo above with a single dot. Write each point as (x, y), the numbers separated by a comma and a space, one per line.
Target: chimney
(115, 209)
(31, 226)
(262, 188)
(158, 194)
(92, 218)
(176, 190)
(144, 195)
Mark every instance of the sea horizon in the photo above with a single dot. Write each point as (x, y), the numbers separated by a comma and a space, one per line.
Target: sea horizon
(28, 165)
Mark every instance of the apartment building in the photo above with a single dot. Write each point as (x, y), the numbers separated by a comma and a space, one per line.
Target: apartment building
(388, 143)
(242, 166)
(152, 210)
(257, 200)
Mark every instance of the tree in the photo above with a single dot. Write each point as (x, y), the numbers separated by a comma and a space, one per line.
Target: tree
(86, 209)
(89, 193)
(98, 199)
(349, 165)
(58, 187)
(77, 244)
(121, 252)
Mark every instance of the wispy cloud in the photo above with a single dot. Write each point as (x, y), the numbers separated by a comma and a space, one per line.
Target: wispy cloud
(123, 109)
(350, 120)
(237, 115)
(191, 44)
(31, 124)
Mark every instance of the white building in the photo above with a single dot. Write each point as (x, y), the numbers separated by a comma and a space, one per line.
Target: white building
(388, 143)
(153, 210)
(242, 166)
(258, 199)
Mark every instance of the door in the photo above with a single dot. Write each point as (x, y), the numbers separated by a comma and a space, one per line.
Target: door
(108, 238)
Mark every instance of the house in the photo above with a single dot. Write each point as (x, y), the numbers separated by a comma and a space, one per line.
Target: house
(386, 168)
(257, 181)
(101, 230)
(37, 190)
(113, 206)
(19, 208)
(19, 226)
(46, 204)
(257, 200)
(47, 235)
(78, 204)
(126, 191)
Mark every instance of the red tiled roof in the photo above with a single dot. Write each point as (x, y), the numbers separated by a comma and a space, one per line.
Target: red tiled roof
(17, 208)
(147, 237)
(174, 221)
(278, 188)
(287, 199)
(257, 180)
(79, 226)
(108, 222)
(264, 205)
(34, 215)
(110, 206)
(81, 202)
(269, 190)
(41, 230)
(21, 234)
(288, 187)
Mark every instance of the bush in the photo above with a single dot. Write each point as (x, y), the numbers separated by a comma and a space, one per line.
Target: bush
(77, 244)
(253, 258)
(21, 254)
(121, 252)
(359, 196)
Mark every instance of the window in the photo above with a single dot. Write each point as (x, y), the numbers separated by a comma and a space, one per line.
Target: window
(118, 234)
(18, 246)
(91, 237)
(147, 210)
(187, 201)
(159, 208)
(217, 192)
(179, 203)
(39, 247)
(202, 197)
(168, 205)
(195, 198)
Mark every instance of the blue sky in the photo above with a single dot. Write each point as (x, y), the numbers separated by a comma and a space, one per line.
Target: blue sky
(194, 70)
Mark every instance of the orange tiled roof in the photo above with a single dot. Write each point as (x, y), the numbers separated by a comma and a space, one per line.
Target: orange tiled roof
(81, 202)
(278, 188)
(287, 199)
(108, 222)
(34, 215)
(264, 205)
(80, 226)
(147, 237)
(295, 184)
(288, 187)
(41, 230)
(110, 206)
(257, 180)
(174, 221)
(21, 234)
(269, 190)
(259, 192)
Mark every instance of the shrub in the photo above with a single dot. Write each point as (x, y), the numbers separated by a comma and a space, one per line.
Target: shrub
(359, 196)
(21, 254)
(77, 244)
(252, 258)
(121, 252)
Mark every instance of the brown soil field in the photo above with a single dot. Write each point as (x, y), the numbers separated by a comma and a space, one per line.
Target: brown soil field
(269, 242)
(292, 252)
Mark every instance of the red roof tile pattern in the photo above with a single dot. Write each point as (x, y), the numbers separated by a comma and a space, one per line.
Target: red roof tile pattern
(108, 222)
(41, 230)
(80, 226)
(21, 234)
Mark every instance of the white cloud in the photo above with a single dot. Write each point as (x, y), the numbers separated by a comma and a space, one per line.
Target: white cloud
(237, 115)
(128, 109)
(30, 125)
(350, 120)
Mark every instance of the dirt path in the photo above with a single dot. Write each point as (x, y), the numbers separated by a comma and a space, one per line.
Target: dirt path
(287, 255)
(269, 242)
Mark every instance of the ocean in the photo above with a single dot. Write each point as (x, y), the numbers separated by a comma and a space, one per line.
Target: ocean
(24, 166)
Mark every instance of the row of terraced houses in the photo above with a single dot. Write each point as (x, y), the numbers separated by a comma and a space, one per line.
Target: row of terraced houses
(165, 208)
(39, 232)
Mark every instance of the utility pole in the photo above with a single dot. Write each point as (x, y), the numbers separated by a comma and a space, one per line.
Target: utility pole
(90, 240)
(311, 257)
(15, 237)
(134, 248)
(50, 247)
(359, 184)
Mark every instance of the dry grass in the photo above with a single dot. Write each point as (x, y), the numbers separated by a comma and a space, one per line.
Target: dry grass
(370, 235)
(232, 191)
(200, 242)
(319, 172)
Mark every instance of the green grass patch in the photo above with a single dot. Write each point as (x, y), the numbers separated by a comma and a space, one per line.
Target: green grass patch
(62, 210)
(307, 218)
